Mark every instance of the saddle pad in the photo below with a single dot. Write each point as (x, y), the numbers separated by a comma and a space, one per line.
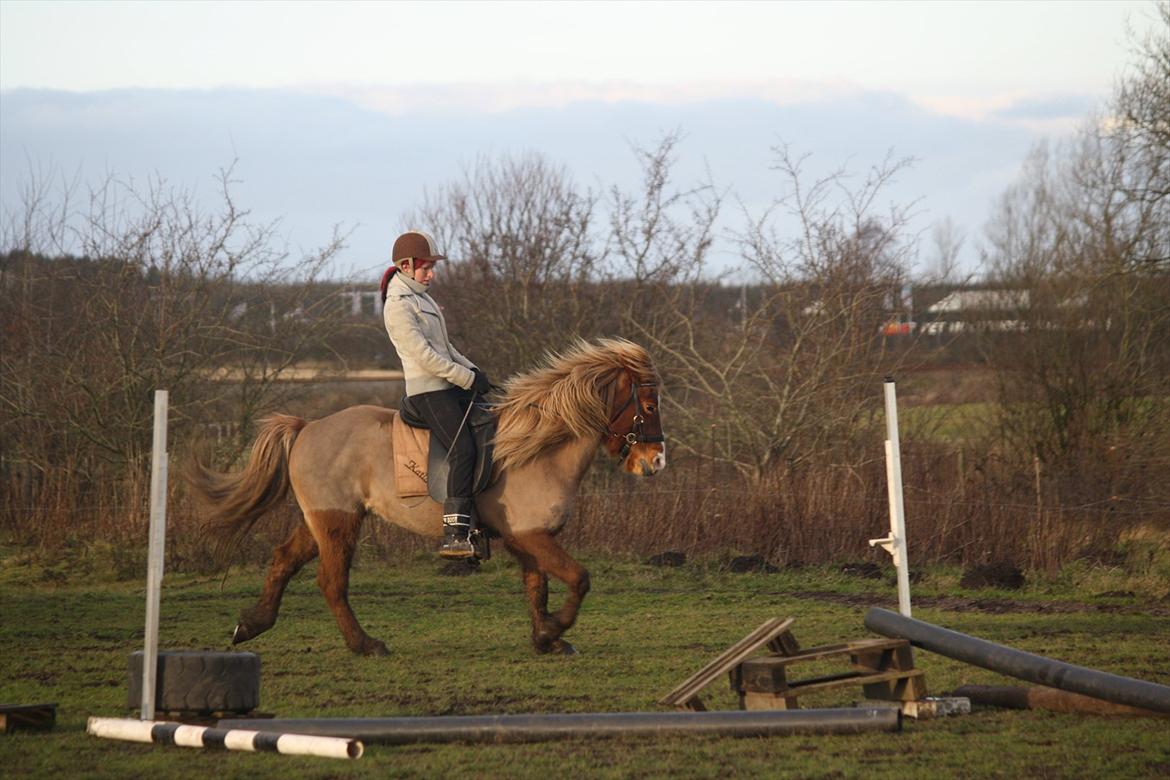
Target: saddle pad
(410, 458)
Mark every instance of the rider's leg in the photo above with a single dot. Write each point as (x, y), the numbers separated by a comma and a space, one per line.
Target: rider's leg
(444, 412)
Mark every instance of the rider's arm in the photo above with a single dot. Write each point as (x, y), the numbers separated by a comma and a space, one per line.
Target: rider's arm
(460, 359)
(406, 331)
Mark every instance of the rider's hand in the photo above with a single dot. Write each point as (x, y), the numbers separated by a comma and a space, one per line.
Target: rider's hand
(480, 384)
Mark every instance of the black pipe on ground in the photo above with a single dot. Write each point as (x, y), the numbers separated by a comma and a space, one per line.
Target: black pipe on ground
(536, 727)
(1042, 698)
(1017, 663)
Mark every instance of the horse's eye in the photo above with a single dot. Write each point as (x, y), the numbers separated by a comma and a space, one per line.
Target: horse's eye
(649, 408)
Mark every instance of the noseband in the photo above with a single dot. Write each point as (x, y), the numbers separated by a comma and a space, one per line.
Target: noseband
(635, 435)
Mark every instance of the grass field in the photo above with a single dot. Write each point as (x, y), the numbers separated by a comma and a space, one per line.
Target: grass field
(459, 646)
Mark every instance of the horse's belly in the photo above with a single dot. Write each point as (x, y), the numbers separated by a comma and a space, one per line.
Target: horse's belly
(426, 521)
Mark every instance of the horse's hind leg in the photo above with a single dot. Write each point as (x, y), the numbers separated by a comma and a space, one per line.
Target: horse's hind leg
(337, 534)
(287, 560)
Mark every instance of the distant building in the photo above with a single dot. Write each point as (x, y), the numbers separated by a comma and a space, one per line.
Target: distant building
(362, 303)
(960, 310)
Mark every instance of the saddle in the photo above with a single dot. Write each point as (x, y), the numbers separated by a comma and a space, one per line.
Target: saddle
(420, 460)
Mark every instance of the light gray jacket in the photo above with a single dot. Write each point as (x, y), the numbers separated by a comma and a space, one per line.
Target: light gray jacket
(419, 334)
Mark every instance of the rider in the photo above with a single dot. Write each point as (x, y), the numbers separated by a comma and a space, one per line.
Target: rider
(440, 382)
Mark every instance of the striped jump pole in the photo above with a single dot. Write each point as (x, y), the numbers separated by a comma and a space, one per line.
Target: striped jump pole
(162, 733)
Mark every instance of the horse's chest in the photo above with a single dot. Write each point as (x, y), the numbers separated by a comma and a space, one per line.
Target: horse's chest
(538, 513)
(559, 515)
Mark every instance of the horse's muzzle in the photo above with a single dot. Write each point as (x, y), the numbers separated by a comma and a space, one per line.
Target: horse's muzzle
(650, 467)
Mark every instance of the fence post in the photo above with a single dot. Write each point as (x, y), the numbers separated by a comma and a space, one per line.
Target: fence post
(154, 564)
(895, 543)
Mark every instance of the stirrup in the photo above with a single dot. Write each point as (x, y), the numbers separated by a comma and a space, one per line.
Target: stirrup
(457, 549)
(480, 542)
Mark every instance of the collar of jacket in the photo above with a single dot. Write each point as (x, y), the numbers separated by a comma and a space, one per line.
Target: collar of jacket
(405, 286)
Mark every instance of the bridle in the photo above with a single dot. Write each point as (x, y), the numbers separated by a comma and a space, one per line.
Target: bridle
(635, 434)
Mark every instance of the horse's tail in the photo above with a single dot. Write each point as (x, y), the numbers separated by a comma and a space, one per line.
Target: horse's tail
(232, 503)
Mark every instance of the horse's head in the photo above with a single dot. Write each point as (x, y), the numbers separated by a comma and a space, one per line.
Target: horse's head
(608, 387)
(634, 432)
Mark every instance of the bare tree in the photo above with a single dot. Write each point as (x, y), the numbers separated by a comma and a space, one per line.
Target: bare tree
(1142, 109)
(788, 377)
(519, 233)
(142, 289)
(942, 264)
(1084, 240)
(661, 235)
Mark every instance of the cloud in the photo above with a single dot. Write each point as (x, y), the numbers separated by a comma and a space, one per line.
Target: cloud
(463, 98)
(1048, 107)
(317, 160)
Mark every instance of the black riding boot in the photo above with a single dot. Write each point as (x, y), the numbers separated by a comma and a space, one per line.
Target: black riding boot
(457, 514)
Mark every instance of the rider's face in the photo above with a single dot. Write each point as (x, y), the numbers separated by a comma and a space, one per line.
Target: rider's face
(424, 272)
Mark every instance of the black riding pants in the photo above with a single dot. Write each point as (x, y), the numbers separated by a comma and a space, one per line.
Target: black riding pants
(443, 411)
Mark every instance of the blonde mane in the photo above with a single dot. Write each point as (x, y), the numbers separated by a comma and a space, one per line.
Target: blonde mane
(564, 399)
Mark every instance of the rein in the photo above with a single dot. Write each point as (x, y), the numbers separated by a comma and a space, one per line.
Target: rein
(635, 435)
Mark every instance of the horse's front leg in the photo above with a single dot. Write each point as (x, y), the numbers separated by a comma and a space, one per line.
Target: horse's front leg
(540, 557)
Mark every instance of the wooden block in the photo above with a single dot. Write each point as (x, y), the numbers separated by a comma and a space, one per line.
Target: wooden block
(884, 658)
(761, 670)
(735, 678)
(27, 717)
(903, 657)
(690, 687)
(784, 644)
(830, 651)
(898, 689)
(799, 687)
(756, 700)
(762, 677)
(895, 658)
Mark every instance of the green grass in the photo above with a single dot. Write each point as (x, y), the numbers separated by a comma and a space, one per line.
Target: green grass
(459, 646)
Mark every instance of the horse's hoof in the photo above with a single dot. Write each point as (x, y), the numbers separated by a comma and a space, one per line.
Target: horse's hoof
(374, 647)
(560, 647)
(240, 634)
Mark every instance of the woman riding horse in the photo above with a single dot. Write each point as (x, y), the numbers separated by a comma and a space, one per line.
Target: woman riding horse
(552, 421)
(440, 382)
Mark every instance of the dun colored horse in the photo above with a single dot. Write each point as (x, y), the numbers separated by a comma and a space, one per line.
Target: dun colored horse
(341, 470)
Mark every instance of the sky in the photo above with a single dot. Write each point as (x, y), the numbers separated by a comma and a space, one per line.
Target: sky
(994, 77)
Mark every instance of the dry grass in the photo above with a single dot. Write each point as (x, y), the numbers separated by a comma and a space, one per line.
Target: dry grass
(962, 507)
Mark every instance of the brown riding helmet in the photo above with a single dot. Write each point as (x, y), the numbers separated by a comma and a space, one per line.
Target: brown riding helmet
(415, 245)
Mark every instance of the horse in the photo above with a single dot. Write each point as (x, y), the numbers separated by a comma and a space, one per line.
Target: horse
(551, 421)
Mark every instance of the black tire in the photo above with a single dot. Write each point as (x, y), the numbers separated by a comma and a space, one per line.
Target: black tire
(200, 682)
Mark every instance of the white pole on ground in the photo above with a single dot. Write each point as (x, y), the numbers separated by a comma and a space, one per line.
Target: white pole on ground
(154, 564)
(895, 543)
(229, 739)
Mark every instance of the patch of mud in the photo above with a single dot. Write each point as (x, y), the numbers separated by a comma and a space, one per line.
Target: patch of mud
(994, 606)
